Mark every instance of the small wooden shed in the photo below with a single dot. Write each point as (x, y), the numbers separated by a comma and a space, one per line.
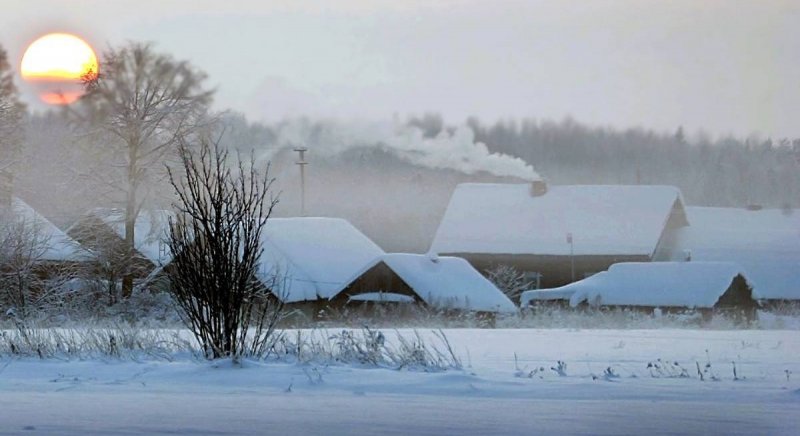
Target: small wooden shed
(707, 287)
(439, 282)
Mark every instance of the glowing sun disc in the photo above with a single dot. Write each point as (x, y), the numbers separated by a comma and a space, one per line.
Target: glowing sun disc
(55, 64)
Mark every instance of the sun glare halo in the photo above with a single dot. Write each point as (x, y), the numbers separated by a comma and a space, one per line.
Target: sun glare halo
(55, 64)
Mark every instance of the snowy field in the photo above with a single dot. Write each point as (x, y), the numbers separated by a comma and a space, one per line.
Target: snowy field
(606, 388)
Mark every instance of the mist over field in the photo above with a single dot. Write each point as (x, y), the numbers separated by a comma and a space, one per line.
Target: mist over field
(393, 179)
(399, 217)
(399, 103)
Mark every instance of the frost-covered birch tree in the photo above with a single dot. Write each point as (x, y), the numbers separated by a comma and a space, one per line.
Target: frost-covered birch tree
(138, 109)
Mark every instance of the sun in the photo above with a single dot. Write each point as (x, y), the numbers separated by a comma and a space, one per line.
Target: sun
(55, 66)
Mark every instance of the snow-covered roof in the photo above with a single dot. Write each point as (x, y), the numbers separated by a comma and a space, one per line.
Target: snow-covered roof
(507, 219)
(658, 284)
(562, 293)
(766, 243)
(313, 258)
(151, 230)
(448, 282)
(382, 297)
(57, 246)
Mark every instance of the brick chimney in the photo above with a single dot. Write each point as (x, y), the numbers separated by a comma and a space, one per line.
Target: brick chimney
(538, 188)
(6, 188)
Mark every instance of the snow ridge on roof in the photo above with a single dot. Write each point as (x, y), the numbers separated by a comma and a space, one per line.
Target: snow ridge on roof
(448, 283)
(553, 294)
(657, 284)
(313, 258)
(507, 219)
(766, 243)
(58, 246)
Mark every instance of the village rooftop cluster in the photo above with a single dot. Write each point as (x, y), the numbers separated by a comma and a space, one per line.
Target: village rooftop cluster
(598, 245)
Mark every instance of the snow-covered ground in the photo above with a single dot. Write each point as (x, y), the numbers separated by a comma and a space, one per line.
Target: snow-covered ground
(492, 395)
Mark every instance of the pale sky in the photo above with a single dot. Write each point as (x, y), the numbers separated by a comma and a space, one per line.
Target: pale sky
(721, 66)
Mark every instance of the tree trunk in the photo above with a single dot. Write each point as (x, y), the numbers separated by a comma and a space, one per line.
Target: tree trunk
(130, 224)
(130, 229)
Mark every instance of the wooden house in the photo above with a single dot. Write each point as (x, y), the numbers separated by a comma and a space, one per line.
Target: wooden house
(45, 244)
(705, 287)
(102, 230)
(558, 234)
(308, 260)
(35, 255)
(765, 242)
(437, 282)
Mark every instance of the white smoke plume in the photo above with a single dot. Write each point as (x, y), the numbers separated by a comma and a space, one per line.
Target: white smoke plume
(455, 150)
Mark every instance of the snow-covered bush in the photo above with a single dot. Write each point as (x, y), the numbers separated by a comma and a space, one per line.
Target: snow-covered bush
(509, 280)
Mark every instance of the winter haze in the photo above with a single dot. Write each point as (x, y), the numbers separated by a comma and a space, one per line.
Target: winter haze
(575, 93)
(721, 66)
(400, 217)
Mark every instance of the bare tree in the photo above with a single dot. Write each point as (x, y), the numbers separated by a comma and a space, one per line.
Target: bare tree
(12, 113)
(141, 106)
(216, 238)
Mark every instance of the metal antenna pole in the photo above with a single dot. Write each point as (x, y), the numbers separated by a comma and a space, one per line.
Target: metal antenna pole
(571, 255)
(302, 163)
(572, 259)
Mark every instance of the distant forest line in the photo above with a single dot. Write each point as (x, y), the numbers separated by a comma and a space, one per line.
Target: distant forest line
(399, 204)
(725, 171)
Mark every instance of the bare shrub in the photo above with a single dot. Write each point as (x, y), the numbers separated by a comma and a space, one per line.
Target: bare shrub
(216, 239)
(21, 246)
(363, 347)
(373, 348)
(28, 283)
(121, 342)
(509, 280)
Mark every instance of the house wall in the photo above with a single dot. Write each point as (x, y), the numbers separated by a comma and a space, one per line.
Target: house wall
(555, 270)
(93, 233)
(379, 278)
(737, 301)
(666, 242)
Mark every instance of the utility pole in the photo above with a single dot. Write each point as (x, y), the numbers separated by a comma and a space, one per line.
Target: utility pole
(571, 254)
(302, 164)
